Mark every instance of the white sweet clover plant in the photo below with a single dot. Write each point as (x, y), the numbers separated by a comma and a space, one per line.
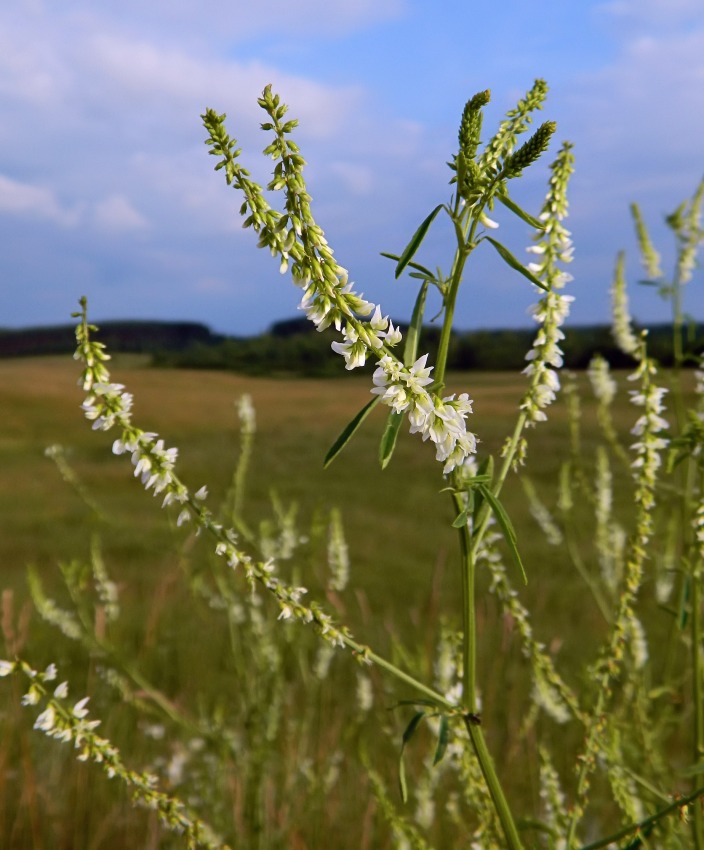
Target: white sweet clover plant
(405, 383)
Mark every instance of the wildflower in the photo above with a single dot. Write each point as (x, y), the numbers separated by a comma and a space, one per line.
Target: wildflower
(603, 385)
(440, 420)
(621, 318)
(45, 721)
(553, 245)
(354, 350)
(79, 710)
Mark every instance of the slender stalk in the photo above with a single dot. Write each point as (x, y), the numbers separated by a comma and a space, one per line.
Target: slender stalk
(644, 827)
(469, 618)
(513, 841)
(698, 697)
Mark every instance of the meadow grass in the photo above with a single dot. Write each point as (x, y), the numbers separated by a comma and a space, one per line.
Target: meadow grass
(402, 592)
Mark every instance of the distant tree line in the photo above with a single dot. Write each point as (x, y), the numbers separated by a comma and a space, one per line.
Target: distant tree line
(295, 347)
(129, 336)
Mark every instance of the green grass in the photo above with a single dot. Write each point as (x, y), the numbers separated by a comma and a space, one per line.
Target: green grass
(403, 580)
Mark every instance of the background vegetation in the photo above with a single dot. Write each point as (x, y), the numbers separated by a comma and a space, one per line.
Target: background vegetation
(282, 780)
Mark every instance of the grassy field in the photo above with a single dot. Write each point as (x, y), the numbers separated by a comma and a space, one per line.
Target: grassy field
(403, 585)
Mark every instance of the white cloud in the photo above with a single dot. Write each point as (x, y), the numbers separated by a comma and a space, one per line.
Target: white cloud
(236, 20)
(668, 13)
(645, 102)
(116, 214)
(137, 73)
(35, 202)
(356, 179)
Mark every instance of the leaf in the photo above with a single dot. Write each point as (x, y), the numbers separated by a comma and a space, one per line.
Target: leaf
(510, 260)
(443, 738)
(430, 702)
(410, 351)
(415, 242)
(460, 520)
(506, 526)
(412, 726)
(520, 212)
(388, 439)
(485, 474)
(348, 431)
(402, 779)
(425, 272)
(407, 735)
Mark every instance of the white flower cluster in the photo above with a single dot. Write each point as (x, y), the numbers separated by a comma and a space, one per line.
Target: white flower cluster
(70, 724)
(649, 426)
(108, 405)
(553, 246)
(621, 327)
(401, 388)
(603, 384)
(440, 420)
(651, 442)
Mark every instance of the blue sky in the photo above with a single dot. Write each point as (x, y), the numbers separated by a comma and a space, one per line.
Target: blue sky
(106, 188)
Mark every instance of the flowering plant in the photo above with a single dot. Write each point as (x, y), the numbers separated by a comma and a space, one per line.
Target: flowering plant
(404, 382)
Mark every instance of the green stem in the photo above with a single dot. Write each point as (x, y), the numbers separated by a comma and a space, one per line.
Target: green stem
(469, 685)
(469, 619)
(698, 697)
(508, 825)
(645, 826)
(446, 333)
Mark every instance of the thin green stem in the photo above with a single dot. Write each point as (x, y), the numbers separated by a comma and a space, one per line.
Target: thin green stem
(646, 825)
(446, 333)
(698, 697)
(469, 619)
(486, 763)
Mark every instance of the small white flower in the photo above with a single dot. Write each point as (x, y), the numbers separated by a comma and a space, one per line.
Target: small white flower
(79, 710)
(45, 721)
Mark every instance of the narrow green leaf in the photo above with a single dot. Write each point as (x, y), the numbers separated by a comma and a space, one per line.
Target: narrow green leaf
(520, 212)
(412, 726)
(415, 242)
(510, 260)
(426, 272)
(460, 520)
(410, 351)
(430, 702)
(485, 474)
(402, 779)
(407, 735)
(506, 527)
(388, 439)
(443, 738)
(348, 431)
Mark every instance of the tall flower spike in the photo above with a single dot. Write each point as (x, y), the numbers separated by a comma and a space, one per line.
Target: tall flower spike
(553, 246)
(620, 314)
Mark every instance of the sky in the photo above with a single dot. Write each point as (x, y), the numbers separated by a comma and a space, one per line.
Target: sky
(106, 188)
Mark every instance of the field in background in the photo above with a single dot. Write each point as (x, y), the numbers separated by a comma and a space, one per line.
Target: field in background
(397, 528)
